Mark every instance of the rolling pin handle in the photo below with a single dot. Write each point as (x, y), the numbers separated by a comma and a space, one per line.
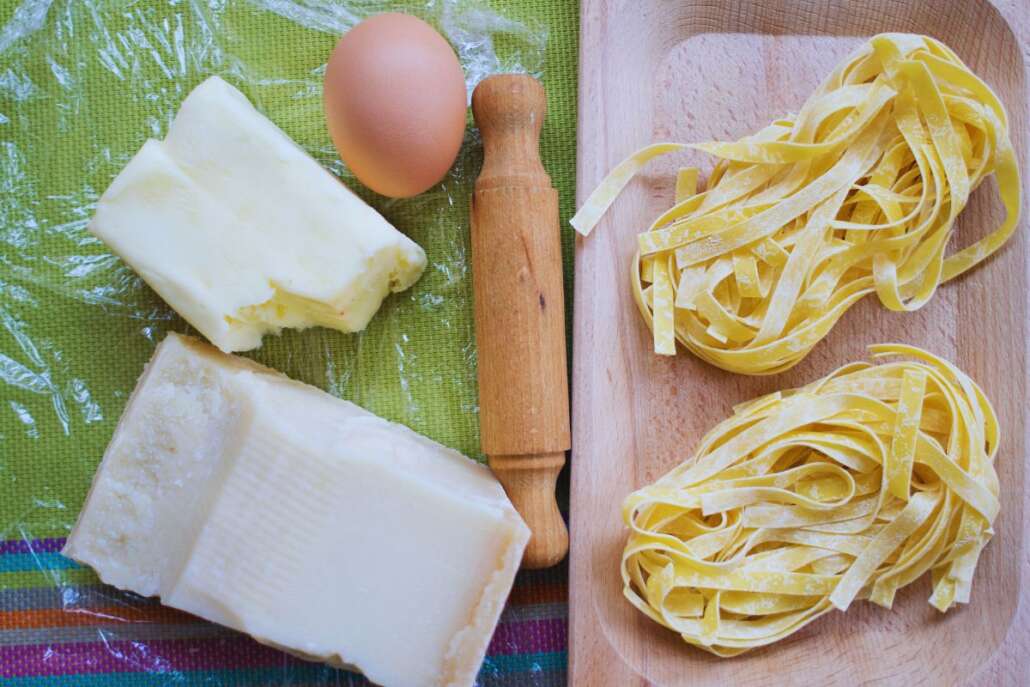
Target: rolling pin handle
(510, 110)
(530, 481)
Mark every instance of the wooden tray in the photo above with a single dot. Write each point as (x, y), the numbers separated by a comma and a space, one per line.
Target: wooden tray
(695, 70)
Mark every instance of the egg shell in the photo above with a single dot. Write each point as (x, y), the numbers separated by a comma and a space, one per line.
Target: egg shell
(395, 101)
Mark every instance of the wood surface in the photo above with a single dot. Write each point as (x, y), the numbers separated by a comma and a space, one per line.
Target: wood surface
(697, 70)
(519, 311)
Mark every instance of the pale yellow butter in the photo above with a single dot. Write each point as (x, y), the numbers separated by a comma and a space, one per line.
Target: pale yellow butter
(269, 506)
(244, 234)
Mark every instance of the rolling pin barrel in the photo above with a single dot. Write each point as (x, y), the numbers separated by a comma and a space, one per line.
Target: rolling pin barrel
(519, 310)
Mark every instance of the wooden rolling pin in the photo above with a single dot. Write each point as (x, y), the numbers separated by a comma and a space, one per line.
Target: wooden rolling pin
(520, 311)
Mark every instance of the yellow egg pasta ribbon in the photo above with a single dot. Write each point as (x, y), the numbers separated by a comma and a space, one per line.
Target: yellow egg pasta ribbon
(803, 501)
(856, 193)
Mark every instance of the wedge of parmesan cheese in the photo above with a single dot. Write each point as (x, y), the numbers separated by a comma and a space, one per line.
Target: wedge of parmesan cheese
(271, 507)
(243, 233)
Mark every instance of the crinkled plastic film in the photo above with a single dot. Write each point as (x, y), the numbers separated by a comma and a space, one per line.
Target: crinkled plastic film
(83, 83)
(855, 194)
(804, 501)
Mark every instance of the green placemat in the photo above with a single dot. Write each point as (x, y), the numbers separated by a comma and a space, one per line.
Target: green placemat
(82, 85)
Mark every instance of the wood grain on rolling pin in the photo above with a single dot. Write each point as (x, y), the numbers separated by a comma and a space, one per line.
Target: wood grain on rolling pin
(519, 311)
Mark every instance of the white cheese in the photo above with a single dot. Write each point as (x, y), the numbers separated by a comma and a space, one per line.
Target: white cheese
(243, 233)
(272, 507)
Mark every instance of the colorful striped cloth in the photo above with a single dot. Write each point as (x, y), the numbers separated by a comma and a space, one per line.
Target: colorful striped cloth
(57, 621)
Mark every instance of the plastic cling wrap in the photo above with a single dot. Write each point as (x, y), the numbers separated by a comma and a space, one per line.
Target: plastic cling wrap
(82, 84)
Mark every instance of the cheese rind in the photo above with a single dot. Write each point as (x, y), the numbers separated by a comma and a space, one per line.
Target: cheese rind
(243, 233)
(269, 506)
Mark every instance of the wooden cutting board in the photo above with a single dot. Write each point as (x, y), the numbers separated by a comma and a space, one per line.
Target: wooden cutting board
(696, 70)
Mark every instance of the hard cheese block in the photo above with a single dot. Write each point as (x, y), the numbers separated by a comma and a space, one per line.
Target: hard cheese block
(272, 507)
(243, 233)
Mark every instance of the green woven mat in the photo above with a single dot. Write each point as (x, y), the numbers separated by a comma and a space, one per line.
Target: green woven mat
(82, 84)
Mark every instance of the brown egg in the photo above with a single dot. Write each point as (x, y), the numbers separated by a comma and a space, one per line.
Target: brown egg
(395, 102)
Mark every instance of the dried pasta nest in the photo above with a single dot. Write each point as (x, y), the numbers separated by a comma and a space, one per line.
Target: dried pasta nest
(803, 501)
(856, 193)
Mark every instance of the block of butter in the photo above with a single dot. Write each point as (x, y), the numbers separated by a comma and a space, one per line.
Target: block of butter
(269, 506)
(243, 233)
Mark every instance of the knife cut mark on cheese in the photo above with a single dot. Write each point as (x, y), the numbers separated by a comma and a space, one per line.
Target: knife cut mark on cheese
(803, 501)
(243, 233)
(857, 193)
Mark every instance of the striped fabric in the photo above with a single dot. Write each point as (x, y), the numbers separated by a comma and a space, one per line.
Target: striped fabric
(59, 625)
